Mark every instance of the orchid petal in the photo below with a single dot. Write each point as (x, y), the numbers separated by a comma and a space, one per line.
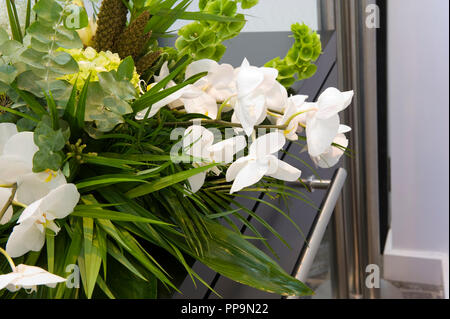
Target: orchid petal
(21, 145)
(248, 79)
(7, 279)
(61, 201)
(196, 182)
(204, 104)
(32, 276)
(333, 155)
(12, 167)
(283, 171)
(31, 187)
(196, 67)
(223, 152)
(25, 237)
(7, 130)
(249, 175)
(267, 144)
(234, 168)
(320, 134)
(344, 129)
(164, 72)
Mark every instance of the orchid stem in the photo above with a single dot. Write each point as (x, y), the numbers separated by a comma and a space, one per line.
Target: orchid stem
(10, 261)
(9, 201)
(15, 203)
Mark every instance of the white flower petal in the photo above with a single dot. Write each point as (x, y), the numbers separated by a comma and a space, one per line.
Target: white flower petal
(33, 276)
(249, 175)
(248, 79)
(7, 279)
(344, 129)
(234, 168)
(61, 201)
(204, 104)
(7, 130)
(32, 211)
(25, 237)
(197, 181)
(21, 145)
(221, 76)
(164, 72)
(31, 187)
(283, 171)
(250, 111)
(159, 105)
(200, 66)
(320, 134)
(267, 144)
(223, 152)
(11, 167)
(332, 156)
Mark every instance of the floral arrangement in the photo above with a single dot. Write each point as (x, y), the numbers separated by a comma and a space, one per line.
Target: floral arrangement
(120, 158)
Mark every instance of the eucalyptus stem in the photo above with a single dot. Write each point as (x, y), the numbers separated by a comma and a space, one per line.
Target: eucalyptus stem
(9, 201)
(10, 261)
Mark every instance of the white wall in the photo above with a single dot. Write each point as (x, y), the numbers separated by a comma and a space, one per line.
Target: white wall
(274, 15)
(418, 54)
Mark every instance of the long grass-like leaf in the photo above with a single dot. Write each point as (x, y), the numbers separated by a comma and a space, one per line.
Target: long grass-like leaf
(166, 181)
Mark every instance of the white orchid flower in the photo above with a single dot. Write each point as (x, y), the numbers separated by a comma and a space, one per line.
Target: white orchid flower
(41, 214)
(260, 162)
(332, 155)
(199, 143)
(16, 162)
(257, 90)
(219, 83)
(322, 126)
(295, 116)
(28, 277)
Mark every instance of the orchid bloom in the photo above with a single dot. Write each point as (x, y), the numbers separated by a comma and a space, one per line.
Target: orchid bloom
(199, 143)
(322, 126)
(332, 155)
(219, 83)
(41, 214)
(173, 100)
(294, 116)
(202, 96)
(28, 277)
(260, 162)
(16, 161)
(257, 90)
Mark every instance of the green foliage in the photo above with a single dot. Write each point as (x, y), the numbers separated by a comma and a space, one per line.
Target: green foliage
(108, 100)
(298, 63)
(203, 39)
(50, 141)
(135, 201)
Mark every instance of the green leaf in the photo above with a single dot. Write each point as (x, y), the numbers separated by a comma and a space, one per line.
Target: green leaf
(234, 257)
(92, 256)
(14, 20)
(113, 215)
(31, 101)
(166, 181)
(81, 107)
(126, 69)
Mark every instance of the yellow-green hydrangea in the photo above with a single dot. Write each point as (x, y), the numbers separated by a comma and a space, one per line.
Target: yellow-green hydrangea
(92, 62)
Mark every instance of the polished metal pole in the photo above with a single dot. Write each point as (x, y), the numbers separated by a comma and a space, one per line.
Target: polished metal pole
(358, 210)
(325, 9)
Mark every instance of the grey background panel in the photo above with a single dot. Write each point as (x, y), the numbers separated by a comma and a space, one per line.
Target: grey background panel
(260, 48)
